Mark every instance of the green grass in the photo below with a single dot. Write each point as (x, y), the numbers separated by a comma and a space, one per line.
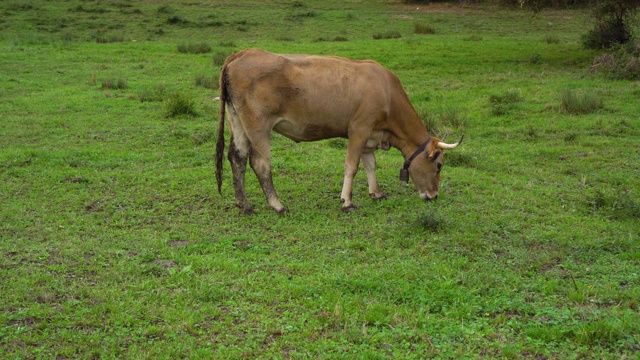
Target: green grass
(115, 244)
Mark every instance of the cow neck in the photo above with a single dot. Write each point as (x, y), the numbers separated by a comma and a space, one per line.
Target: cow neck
(420, 149)
(409, 146)
(408, 132)
(410, 152)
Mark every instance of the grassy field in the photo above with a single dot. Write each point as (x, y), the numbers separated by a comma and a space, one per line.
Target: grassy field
(115, 244)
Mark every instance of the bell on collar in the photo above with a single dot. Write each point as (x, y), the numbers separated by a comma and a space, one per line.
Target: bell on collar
(404, 175)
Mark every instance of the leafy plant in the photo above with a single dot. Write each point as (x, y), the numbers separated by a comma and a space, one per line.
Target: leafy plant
(154, 93)
(194, 48)
(206, 82)
(219, 57)
(502, 104)
(573, 103)
(420, 28)
(551, 39)
(114, 83)
(179, 104)
(620, 62)
(390, 34)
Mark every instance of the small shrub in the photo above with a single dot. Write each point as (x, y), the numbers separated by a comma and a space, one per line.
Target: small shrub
(306, 14)
(600, 332)
(111, 38)
(176, 20)
(551, 39)
(535, 59)
(433, 222)
(391, 34)
(219, 58)
(157, 93)
(92, 80)
(300, 16)
(179, 104)
(202, 137)
(419, 28)
(165, 9)
(574, 104)
(27, 38)
(473, 38)
(207, 82)
(502, 104)
(67, 37)
(458, 158)
(336, 39)
(622, 62)
(114, 84)
(530, 132)
(606, 34)
(570, 137)
(197, 48)
(429, 120)
(21, 7)
(618, 206)
(453, 117)
(226, 43)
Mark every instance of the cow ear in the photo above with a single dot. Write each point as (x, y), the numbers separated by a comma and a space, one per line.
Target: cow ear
(433, 155)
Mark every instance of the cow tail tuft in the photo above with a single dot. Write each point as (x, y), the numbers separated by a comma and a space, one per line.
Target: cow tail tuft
(224, 99)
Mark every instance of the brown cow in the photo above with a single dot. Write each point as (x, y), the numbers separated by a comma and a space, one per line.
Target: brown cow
(308, 98)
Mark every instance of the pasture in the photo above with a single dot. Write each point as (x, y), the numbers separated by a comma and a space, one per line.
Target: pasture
(114, 242)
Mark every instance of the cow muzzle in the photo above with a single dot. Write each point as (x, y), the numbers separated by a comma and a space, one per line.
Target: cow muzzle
(428, 197)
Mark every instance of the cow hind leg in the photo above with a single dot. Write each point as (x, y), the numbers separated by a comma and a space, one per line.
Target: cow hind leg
(369, 162)
(237, 155)
(260, 161)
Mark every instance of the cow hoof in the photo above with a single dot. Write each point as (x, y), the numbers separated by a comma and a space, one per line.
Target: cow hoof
(378, 197)
(282, 211)
(349, 208)
(248, 211)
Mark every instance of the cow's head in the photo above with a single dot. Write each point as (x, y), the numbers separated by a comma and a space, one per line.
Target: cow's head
(425, 167)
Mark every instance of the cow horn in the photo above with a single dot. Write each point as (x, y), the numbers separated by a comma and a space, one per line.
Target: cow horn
(443, 145)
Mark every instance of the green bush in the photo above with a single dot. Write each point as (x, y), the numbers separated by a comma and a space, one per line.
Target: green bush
(111, 38)
(502, 104)
(551, 39)
(156, 93)
(194, 48)
(219, 58)
(572, 103)
(453, 117)
(391, 34)
(622, 62)
(207, 82)
(420, 28)
(114, 84)
(179, 104)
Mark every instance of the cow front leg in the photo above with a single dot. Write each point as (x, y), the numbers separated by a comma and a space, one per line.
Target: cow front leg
(260, 161)
(238, 159)
(354, 150)
(369, 162)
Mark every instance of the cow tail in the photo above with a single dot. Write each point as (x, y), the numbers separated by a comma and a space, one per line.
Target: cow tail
(224, 99)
